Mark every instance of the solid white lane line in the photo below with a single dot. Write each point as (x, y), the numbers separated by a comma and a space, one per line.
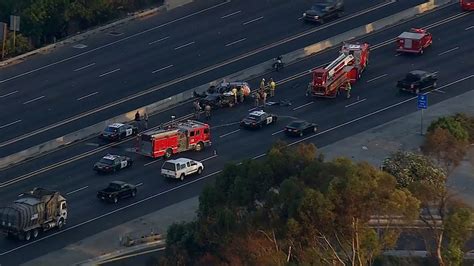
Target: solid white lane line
(232, 43)
(152, 162)
(209, 158)
(161, 69)
(278, 132)
(259, 156)
(230, 133)
(110, 72)
(35, 99)
(72, 227)
(184, 45)
(139, 184)
(8, 94)
(117, 41)
(87, 96)
(231, 14)
(448, 51)
(159, 40)
(301, 106)
(376, 112)
(468, 28)
(376, 78)
(84, 67)
(354, 103)
(251, 21)
(77, 190)
(9, 124)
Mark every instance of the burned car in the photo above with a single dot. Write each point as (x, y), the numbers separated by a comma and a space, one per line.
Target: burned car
(221, 95)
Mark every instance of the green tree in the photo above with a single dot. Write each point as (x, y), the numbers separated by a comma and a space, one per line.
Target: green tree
(451, 124)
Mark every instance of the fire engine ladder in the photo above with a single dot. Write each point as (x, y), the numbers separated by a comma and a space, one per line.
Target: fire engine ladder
(343, 59)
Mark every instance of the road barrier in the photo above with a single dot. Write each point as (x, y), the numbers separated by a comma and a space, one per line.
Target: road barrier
(246, 74)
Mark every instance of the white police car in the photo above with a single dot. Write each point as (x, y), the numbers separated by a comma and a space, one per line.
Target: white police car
(118, 131)
(258, 119)
(112, 163)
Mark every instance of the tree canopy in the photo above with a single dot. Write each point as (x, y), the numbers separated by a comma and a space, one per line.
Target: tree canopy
(292, 207)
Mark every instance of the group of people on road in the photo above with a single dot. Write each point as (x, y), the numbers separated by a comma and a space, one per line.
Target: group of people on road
(138, 119)
(263, 91)
(198, 109)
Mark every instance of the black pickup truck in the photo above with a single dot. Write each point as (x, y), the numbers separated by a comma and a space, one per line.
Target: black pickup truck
(325, 10)
(117, 190)
(417, 81)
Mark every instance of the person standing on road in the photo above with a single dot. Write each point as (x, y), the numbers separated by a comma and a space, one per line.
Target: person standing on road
(257, 98)
(262, 84)
(207, 110)
(145, 118)
(348, 89)
(137, 116)
(264, 98)
(234, 93)
(197, 109)
(272, 86)
(240, 94)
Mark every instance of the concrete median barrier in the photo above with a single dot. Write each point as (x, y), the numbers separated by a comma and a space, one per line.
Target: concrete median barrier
(246, 74)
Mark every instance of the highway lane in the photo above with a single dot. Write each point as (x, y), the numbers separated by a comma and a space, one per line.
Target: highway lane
(68, 92)
(329, 114)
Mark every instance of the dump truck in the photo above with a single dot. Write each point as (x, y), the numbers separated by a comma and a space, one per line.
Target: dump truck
(32, 213)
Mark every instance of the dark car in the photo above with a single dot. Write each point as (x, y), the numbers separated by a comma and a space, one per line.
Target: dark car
(323, 11)
(216, 101)
(221, 95)
(118, 131)
(417, 81)
(111, 163)
(258, 119)
(116, 191)
(300, 128)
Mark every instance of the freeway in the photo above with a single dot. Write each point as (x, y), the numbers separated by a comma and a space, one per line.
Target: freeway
(51, 95)
(375, 101)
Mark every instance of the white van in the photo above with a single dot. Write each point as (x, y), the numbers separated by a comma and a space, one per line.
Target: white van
(181, 168)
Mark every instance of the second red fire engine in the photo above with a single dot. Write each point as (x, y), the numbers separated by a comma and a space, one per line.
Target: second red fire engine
(190, 135)
(340, 73)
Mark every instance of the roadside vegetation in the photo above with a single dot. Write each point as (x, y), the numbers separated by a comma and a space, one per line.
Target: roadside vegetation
(46, 21)
(295, 208)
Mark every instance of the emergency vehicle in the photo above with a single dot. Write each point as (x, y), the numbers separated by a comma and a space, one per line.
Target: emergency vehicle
(189, 135)
(467, 5)
(346, 69)
(414, 41)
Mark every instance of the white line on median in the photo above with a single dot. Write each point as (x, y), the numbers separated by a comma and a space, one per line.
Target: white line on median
(110, 72)
(8, 94)
(184, 45)
(301, 106)
(448, 51)
(33, 100)
(159, 40)
(231, 14)
(209, 158)
(87, 96)
(354, 103)
(376, 78)
(161, 69)
(77, 190)
(230, 133)
(84, 67)
(9, 124)
(278, 132)
(232, 43)
(468, 28)
(251, 21)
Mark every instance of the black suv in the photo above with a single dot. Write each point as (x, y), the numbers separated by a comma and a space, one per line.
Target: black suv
(117, 190)
(323, 11)
(417, 81)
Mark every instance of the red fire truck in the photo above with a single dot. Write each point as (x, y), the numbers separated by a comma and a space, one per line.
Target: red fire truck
(414, 41)
(347, 68)
(467, 5)
(190, 135)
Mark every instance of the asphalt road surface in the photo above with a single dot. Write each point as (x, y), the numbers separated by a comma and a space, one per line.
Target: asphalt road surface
(375, 101)
(98, 78)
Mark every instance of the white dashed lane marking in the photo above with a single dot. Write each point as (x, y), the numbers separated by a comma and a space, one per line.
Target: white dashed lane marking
(10, 124)
(34, 100)
(87, 96)
(231, 14)
(251, 21)
(8, 94)
(110, 72)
